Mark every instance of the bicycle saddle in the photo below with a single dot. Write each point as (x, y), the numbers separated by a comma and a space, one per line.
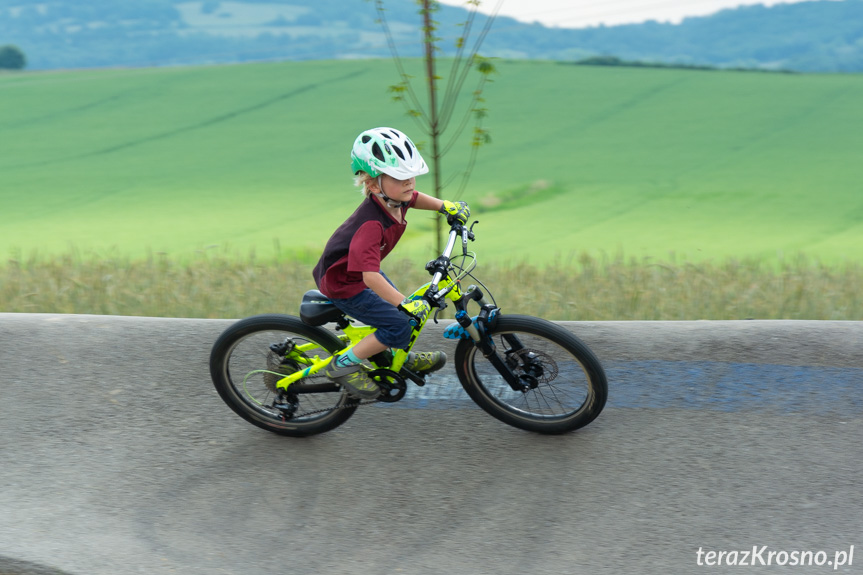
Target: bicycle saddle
(317, 309)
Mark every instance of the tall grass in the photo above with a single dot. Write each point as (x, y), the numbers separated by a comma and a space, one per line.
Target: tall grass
(617, 289)
(586, 288)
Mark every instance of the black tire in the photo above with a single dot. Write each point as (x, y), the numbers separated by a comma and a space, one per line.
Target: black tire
(244, 348)
(570, 392)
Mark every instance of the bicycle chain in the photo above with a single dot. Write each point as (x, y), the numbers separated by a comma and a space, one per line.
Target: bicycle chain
(327, 409)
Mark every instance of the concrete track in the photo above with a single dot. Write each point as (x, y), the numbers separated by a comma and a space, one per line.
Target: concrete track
(117, 456)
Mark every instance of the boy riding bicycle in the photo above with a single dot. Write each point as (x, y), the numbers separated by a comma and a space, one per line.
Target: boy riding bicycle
(386, 164)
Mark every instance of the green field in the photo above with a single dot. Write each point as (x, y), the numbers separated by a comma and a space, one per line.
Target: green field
(231, 159)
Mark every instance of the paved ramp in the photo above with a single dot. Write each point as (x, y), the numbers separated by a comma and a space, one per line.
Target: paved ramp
(118, 457)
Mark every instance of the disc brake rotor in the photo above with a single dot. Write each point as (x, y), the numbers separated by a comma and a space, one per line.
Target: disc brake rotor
(537, 364)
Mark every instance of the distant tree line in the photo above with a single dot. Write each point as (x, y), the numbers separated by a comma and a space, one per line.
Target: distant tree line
(822, 36)
(615, 61)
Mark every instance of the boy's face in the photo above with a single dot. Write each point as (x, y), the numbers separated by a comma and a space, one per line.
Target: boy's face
(398, 190)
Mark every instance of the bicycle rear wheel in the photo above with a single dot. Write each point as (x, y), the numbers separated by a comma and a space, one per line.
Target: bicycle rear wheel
(245, 364)
(568, 387)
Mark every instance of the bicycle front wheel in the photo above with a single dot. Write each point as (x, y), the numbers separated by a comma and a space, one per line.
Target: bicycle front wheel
(567, 387)
(253, 354)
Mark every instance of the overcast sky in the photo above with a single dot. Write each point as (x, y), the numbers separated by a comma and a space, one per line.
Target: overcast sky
(581, 13)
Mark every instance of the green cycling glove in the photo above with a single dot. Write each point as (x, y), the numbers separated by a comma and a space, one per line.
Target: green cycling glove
(418, 309)
(458, 210)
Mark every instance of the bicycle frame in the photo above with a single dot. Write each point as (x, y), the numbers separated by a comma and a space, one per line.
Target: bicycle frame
(442, 286)
(537, 360)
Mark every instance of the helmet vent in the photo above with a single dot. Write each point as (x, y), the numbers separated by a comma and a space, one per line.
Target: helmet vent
(367, 139)
(376, 152)
(385, 135)
(399, 152)
(410, 151)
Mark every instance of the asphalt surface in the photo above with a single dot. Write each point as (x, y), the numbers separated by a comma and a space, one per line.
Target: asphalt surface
(117, 456)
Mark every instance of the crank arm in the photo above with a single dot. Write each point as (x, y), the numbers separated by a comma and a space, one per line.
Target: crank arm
(414, 377)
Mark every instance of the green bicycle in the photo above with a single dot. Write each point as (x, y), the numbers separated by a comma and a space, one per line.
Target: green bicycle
(525, 371)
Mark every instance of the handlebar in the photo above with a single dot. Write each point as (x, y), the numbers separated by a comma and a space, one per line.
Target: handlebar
(439, 266)
(458, 229)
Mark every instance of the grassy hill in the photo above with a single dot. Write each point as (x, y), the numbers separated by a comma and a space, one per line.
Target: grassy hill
(644, 162)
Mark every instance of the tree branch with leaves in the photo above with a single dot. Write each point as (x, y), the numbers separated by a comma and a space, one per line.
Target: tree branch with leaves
(436, 116)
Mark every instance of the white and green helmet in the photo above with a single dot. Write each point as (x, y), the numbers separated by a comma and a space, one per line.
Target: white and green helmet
(386, 151)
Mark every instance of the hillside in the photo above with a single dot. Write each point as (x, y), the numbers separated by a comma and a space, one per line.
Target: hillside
(604, 160)
(824, 36)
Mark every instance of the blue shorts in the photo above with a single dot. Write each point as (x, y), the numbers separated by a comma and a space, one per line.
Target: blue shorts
(393, 326)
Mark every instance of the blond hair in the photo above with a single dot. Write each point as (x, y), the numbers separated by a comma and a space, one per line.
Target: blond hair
(362, 180)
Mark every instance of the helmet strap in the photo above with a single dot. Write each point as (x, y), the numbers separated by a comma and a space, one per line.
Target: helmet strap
(389, 201)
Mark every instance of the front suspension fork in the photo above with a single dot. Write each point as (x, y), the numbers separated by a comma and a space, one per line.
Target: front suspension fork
(478, 332)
